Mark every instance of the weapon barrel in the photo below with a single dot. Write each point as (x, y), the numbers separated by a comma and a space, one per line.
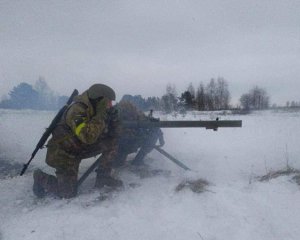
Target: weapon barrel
(182, 124)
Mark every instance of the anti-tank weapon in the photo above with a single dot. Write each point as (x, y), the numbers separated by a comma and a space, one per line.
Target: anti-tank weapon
(49, 130)
(151, 133)
(146, 134)
(156, 123)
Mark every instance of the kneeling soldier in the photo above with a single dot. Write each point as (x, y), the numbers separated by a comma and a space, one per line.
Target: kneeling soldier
(88, 127)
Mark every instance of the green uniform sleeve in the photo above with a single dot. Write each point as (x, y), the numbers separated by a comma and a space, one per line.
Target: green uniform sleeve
(87, 129)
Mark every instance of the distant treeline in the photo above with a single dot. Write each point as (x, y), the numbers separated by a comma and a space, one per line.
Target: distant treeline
(214, 95)
(37, 97)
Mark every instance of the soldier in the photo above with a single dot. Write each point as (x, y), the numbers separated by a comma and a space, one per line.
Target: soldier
(140, 141)
(88, 127)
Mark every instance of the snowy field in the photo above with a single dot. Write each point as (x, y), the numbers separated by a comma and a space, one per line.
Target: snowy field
(235, 206)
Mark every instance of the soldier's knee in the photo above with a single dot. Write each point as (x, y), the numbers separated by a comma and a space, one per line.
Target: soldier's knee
(52, 156)
(51, 160)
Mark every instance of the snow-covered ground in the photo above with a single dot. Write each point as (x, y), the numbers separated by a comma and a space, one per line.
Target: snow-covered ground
(236, 205)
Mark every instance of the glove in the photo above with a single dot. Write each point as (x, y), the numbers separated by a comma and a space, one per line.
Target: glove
(112, 114)
(113, 122)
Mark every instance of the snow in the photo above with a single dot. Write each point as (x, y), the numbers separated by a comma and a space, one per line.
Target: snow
(236, 205)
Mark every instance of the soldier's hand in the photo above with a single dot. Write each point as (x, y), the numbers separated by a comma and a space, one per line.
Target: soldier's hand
(113, 114)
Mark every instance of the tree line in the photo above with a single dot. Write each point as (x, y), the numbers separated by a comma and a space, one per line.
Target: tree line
(37, 97)
(210, 96)
(292, 104)
(214, 95)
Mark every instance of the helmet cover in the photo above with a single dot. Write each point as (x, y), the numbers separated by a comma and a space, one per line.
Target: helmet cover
(100, 90)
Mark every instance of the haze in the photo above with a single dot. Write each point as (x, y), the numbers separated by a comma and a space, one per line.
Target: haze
(138, 47)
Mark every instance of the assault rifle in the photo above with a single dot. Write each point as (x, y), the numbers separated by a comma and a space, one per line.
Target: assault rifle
(49, 130)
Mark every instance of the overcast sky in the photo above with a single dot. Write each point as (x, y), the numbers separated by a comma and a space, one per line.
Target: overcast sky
(138, 47)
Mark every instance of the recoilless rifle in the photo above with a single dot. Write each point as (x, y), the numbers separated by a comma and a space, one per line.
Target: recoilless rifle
(148, 132)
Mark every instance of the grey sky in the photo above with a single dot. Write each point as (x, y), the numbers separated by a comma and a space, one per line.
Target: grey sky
(137, 47)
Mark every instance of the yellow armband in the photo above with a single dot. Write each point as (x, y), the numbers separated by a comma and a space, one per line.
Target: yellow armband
(79, 128)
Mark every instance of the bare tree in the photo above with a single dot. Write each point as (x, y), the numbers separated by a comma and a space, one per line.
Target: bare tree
(211, 92)
(245, 101)
(257, 99)
(191, 90)
(260, 98)
(169, 100)
(222, 94)
(200, 97)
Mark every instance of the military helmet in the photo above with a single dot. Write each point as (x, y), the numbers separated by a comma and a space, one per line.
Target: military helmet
(100, 90)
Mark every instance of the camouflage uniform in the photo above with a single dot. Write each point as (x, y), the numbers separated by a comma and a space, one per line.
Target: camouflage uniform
(135, 140)
(84, 131)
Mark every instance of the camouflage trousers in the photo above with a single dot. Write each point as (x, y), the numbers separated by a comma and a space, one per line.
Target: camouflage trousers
(67, 164)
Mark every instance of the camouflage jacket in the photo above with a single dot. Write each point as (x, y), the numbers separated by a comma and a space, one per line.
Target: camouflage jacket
(79, 126)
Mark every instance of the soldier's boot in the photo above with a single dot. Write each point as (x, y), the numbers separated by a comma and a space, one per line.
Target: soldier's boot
(105, 178)
(43, 184)
(67, 186)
